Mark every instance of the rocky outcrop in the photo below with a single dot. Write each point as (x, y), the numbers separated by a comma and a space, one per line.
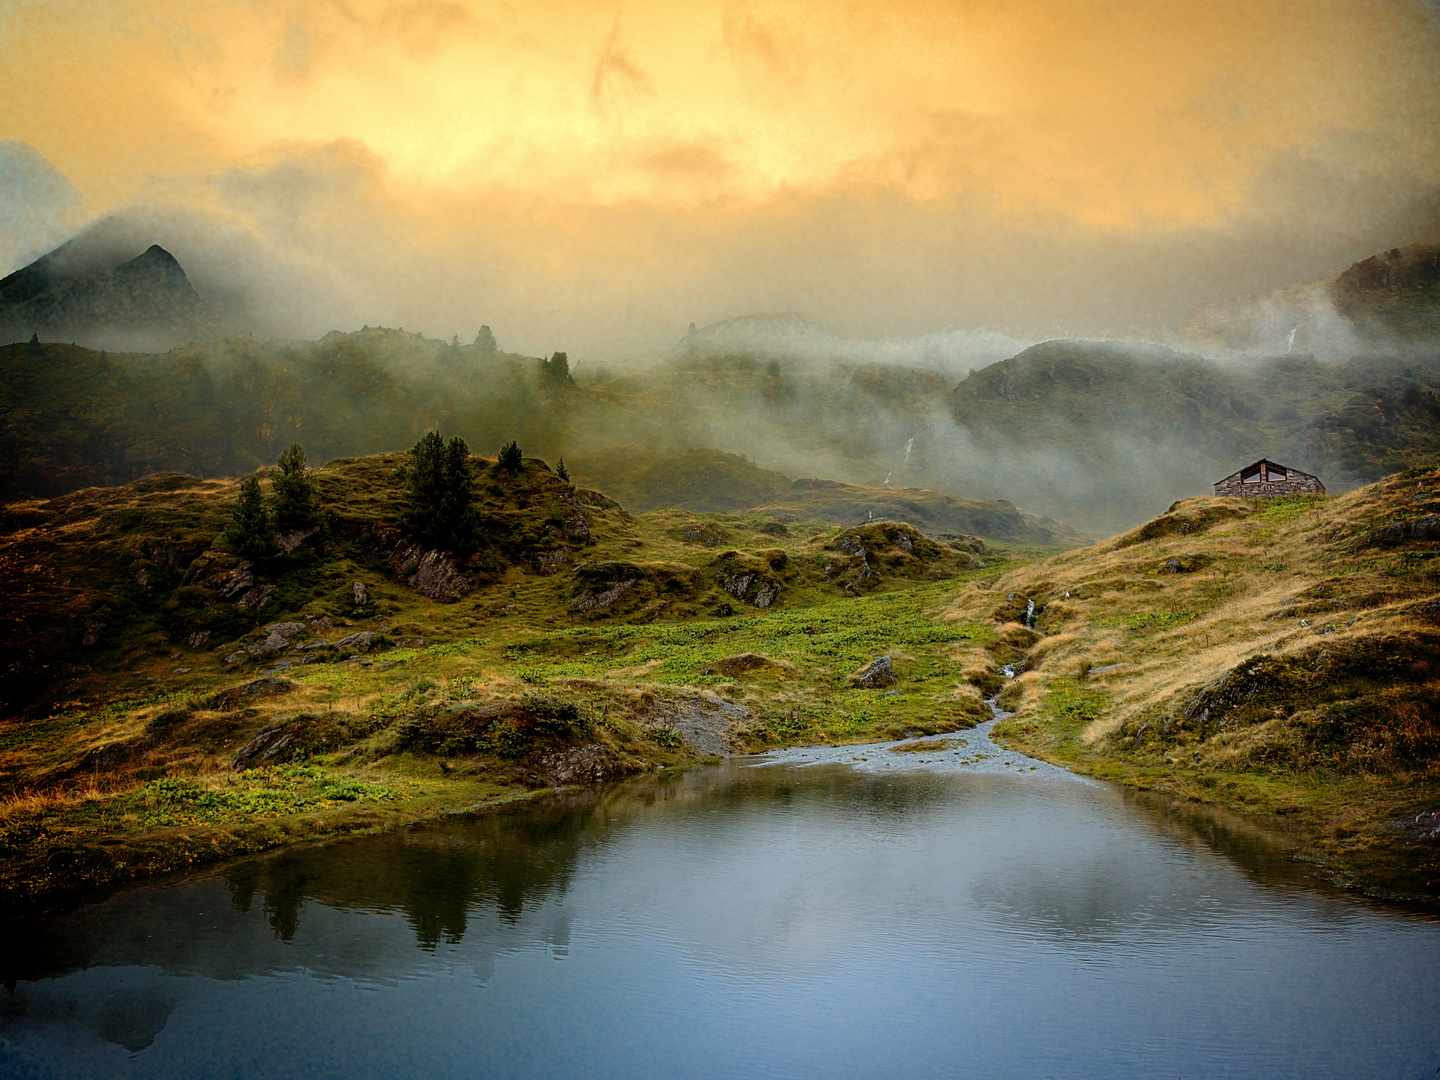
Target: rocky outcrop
(429, 572)
(270, 747)
(231, 697)
(705, 721)
(704, 534)
(751, 578)
(593, 763)
(600, 598)
(1422, 528)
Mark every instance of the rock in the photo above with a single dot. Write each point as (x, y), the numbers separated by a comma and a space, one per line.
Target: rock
(1173, 566)
(765, 595)
(438, 578)
(360, 594)
(177, 554)
(737, 585)
(705, 721)
(589, 764)
(291, 540)
(430, 573)
(1421, 528)
(234, 658)
(1107, 667)
(198, 639)
(255, 599)
(93, 629)
(603, 598)
(232, 696)
(549, 562)
(704, 533)
(876, 675)
(234, 584)
(270, 746)
(364, 639)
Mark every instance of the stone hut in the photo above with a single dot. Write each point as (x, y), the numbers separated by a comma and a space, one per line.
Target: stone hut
(1267, 479)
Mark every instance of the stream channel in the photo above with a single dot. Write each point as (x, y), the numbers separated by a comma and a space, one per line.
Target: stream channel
(947, 910)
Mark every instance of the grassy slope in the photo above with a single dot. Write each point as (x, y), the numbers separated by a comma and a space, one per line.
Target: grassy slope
(1279, 658)
(116, 754)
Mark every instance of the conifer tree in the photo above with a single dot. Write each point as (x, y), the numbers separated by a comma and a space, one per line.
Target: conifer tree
(439, 497)
(297, 504)
(250, 534)
(486, 340)
(510, 459)
(561, 471)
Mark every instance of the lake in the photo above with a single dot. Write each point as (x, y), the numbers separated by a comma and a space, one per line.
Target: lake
(958, 911)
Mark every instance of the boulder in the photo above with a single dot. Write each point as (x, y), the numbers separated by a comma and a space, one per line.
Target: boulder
(876, 675)
(360, 594)
(364, 639)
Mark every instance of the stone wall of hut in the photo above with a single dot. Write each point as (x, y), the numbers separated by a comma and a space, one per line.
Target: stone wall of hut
(1295, 483)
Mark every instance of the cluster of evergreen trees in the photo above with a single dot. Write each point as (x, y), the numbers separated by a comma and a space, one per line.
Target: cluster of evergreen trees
(294, 504)
(439, 501)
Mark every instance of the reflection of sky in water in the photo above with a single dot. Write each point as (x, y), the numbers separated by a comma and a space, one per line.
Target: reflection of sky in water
(771, 921)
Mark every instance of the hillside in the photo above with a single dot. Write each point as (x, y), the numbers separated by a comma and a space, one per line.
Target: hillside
(154, 681)
(714, 481)
(1100, 431)
(1393, 294)
(1279, 657)
(707, 480)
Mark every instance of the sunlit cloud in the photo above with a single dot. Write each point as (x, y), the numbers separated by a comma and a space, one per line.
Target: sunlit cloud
(615, 171)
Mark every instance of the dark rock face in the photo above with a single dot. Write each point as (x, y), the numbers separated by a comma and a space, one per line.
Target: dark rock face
(270, 747)
(430, 573)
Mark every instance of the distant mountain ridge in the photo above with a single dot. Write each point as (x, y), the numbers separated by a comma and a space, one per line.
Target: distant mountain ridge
(80, 292)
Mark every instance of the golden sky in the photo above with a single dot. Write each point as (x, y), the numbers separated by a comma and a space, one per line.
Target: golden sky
(868, 163)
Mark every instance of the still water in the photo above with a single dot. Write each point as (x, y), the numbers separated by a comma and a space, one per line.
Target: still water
(796, 919)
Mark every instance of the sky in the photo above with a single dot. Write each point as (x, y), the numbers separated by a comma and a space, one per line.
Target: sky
(596, 176)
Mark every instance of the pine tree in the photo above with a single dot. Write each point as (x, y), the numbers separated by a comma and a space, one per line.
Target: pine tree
(439, 497)
(562, 472)
(485, 339)
(297, 505)
(510, 458)
(250, 534)
(556, 370)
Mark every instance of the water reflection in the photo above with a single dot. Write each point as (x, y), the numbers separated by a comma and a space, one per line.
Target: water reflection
(743, 919)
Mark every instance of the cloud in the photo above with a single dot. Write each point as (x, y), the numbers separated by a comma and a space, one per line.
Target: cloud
(39, 206)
